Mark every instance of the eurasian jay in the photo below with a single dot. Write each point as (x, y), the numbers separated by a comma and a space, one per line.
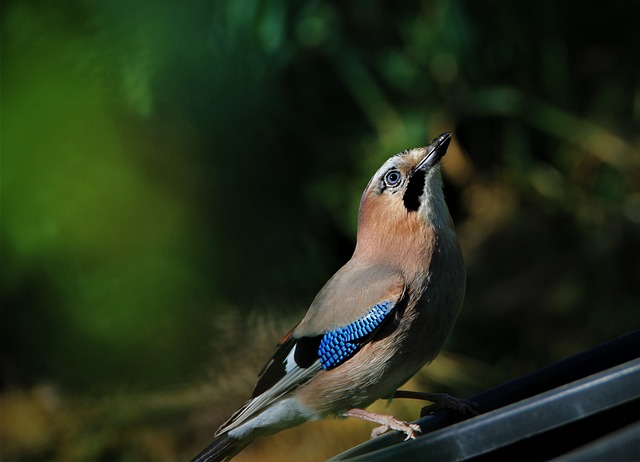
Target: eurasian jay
(383, 316)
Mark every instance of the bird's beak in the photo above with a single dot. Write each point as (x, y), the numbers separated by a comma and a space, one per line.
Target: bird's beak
(435, 151)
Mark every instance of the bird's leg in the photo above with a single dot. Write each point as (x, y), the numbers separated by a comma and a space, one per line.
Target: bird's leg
(388, 422)
(440, 401)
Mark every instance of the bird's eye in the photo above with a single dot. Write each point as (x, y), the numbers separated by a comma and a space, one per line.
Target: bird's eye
(392, 178)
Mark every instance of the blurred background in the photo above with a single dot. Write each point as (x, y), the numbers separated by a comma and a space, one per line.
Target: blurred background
(179, 179)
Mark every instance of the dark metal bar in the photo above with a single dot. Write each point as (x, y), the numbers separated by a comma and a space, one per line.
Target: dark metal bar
(601, 358)
(524, 419)
(621, 445)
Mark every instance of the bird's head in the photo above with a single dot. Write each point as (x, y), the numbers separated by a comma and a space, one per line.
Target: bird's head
(404, 199)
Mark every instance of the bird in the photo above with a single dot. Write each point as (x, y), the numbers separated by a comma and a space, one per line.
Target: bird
(376, 322)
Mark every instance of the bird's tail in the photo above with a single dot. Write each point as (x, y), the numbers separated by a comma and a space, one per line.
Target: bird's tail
(223, 447)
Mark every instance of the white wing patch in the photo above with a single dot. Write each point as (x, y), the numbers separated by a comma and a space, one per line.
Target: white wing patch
(289, 361)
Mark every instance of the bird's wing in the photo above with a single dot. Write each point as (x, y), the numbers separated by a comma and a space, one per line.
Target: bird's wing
(360, 302)
(279, 376)
(349, 295)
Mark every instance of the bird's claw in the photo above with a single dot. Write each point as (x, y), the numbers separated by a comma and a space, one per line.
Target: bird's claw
(410, 430)
(444, 401)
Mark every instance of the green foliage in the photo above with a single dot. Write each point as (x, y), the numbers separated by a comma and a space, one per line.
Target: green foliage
(175, 175)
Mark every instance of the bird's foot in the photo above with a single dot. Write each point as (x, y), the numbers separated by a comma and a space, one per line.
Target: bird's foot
(440, 401)
(388, 422)
(409, 429)
(444, 401)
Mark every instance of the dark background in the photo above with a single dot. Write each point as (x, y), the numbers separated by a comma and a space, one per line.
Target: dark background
(180, 178)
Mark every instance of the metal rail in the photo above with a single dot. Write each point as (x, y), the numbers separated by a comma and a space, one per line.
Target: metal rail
(599, 388)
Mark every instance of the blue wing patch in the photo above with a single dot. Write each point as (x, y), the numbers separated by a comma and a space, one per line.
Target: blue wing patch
(340, 344)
